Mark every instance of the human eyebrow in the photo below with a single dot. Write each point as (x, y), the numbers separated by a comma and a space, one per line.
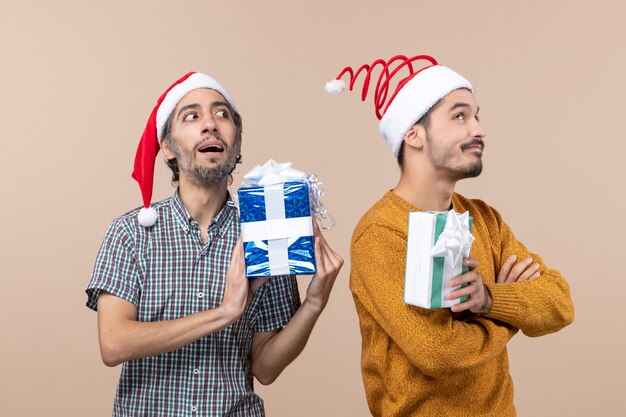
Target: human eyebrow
(221, 104)
(183, 109)
(459, 105)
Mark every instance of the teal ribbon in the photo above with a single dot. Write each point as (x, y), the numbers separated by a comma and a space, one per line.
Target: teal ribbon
(437, 279)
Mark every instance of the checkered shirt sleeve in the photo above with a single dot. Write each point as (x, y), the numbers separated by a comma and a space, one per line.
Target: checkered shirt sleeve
(279, 304)
(115, 270)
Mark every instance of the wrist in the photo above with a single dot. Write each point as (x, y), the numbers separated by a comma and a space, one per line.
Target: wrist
(313, 307)
(228, 313)
(486, 308)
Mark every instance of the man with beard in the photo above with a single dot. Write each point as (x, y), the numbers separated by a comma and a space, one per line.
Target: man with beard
(446, 362)
(173, 303)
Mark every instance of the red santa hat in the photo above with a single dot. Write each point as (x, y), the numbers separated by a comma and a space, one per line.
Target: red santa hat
(414, 95)
(149, 144)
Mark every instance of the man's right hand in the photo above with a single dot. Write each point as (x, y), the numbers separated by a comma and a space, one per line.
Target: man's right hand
(479, 296)
(524, 270)
(239, 289)
(123, 338)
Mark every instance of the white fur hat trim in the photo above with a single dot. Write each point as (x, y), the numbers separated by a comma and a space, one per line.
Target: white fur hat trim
(414, 100)
(193, 82)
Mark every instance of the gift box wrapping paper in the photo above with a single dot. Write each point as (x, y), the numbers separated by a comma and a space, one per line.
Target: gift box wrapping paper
(436, 246)
(277, 229)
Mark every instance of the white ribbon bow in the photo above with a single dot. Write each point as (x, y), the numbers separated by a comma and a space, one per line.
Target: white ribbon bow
(455, 241)
(272, 173)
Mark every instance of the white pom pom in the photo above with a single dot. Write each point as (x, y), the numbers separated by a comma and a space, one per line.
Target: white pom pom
(147, 216)
(335, 87)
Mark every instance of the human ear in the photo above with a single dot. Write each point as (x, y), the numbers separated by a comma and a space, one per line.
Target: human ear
(415, 136)
(165, 147)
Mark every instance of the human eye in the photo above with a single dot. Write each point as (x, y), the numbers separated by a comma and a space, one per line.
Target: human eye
(459, 116)
(190, 116)
(223, 113)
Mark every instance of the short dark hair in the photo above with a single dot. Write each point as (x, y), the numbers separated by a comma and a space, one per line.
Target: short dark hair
(166, 134)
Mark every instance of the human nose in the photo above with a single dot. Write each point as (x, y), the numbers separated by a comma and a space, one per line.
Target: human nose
(477, 130)
(208, 123)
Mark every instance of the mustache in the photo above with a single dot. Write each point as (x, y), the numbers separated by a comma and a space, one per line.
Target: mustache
(211, 136)
(473, 142)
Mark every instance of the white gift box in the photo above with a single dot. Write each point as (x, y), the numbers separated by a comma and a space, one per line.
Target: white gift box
(436, 246)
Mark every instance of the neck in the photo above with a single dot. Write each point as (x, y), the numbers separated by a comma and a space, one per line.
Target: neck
(202, 203)
(425, 189)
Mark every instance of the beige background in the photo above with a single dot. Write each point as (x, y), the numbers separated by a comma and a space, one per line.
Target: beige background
(79, 80)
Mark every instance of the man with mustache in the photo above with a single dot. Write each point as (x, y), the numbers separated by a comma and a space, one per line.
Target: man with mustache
(174, 306)
(445, 362)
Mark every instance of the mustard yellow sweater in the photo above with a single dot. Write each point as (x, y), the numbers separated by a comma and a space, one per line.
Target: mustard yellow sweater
(420, 362)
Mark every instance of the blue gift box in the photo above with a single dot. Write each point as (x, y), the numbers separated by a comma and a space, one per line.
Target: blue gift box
(277, 229)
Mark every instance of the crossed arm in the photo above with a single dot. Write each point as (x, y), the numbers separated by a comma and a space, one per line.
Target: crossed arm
(479, 297)
(431, 339)
(123, 338)
(525, 294)
(434, 339)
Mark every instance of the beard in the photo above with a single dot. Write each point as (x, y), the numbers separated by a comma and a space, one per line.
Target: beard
(470, 171)
(439, 158)
(203, 176)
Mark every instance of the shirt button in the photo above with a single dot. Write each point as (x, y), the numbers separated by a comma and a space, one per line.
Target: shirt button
(200, 294)
(194, 408)
(196, 371)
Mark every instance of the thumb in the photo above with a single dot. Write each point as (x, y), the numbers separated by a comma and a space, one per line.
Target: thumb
(256, 283)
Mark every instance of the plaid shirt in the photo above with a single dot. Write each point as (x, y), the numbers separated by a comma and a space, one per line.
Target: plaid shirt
(168, 272)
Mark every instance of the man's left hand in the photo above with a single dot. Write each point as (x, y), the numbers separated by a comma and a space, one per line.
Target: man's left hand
(479, 297)
(328, 264)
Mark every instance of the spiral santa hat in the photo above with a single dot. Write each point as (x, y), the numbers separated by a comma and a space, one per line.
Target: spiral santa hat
(149, 143)
(417, 90)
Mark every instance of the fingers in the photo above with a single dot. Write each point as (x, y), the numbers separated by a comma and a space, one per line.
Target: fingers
(332, 257)
(320, 258)
(236, 292)
(237, 255)
(471, 263)
(328, 264)
(320, 263)
(327, 259)
(474, 290)
(465, 278)
(524, 270)
(466, 291)
(519, 269)
(317, 232)
(506, 269)
(475, 293)
(316, 228)
(479, 300)
(467, 305)
(530, 273)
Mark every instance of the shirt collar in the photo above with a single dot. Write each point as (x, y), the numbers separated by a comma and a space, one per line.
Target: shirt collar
(222, 219)
(455, 205)
(225, 216)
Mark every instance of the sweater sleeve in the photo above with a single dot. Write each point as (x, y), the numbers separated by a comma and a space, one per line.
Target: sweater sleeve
(536, 307)
(431, 339)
